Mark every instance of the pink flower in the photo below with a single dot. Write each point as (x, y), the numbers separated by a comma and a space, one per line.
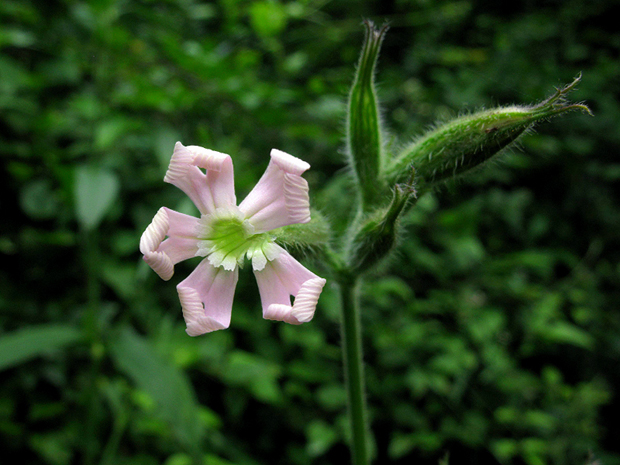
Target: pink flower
(226, 234)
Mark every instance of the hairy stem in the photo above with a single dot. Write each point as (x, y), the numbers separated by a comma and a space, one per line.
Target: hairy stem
(354, 369)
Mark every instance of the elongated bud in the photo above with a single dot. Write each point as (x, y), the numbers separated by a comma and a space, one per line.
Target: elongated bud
(466, 142)
(377, 236)
(364, 144)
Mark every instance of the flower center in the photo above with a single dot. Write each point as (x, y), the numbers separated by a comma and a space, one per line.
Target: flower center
(227, 237)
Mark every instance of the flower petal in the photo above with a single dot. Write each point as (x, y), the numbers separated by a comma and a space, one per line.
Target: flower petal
(208, 191)
(285, 277)
(162, 255)
(206, 297)
(280, 197)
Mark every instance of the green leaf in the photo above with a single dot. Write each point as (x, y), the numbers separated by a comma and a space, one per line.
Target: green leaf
(25, 344)
(96, 190)
(167, 385)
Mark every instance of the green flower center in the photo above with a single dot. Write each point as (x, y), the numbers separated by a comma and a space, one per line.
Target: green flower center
(227, 238)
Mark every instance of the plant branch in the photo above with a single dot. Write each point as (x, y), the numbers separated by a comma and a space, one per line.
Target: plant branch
(354, 369)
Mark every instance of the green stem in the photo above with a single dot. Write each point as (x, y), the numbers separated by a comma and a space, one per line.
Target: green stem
(354, 369)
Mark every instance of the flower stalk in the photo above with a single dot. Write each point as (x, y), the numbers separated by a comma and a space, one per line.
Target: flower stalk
(352, 351)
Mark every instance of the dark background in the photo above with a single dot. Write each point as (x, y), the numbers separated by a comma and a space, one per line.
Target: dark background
(491, 337)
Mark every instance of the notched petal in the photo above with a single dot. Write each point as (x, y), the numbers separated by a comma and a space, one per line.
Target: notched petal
(208, 191)
(281, 196)
(302, 309)
(282, 279)
(297, 199)
(194, 313)
(289, 163)
(220, 179)
(162, 254)
(207, 158)
(206, 297)
(160, 263)
(155, 232)
(280, 312)
(182, 160)
(151, 240)
(306, 299)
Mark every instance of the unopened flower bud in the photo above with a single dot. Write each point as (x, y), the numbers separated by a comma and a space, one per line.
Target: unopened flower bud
(377, 236)
(456, 147)
(364, 144)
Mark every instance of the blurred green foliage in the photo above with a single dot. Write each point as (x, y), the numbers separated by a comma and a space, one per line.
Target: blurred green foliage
(493, 336)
